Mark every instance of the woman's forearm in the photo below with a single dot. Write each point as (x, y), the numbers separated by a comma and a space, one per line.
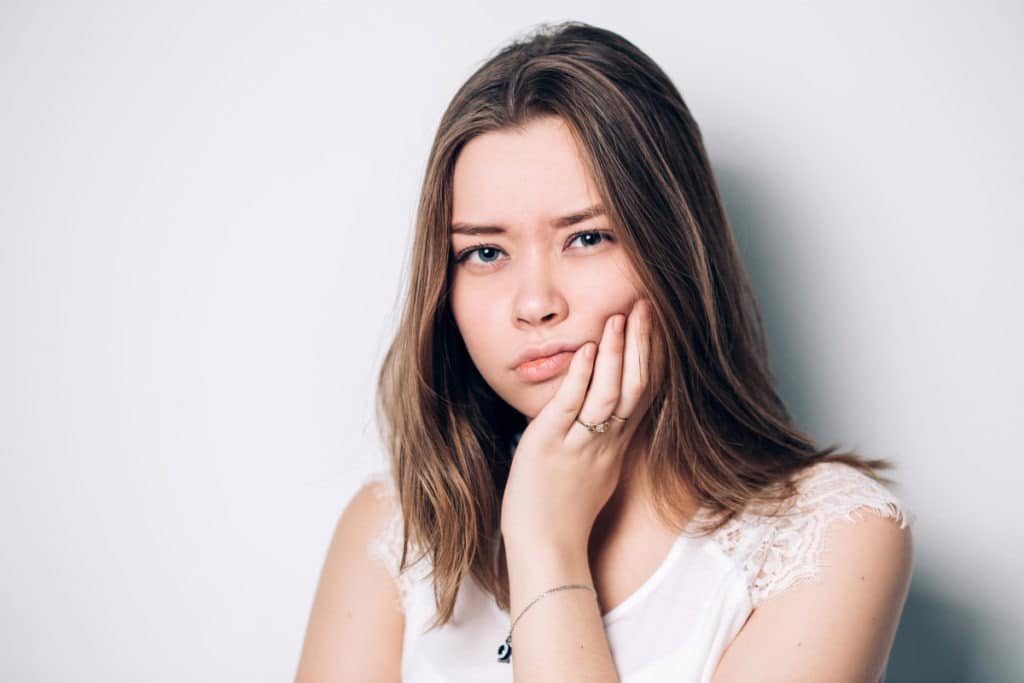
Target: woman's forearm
(561, 637)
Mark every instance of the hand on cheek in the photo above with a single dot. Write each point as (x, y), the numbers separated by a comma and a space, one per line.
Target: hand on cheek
(563, 473)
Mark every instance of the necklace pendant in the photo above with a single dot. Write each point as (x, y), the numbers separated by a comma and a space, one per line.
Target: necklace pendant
(505, 650)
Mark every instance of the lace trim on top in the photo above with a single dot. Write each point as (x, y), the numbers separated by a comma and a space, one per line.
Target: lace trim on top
(386, 547)
(775, 552)
(778, 551)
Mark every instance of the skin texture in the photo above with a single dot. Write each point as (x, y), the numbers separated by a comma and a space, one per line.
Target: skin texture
(536, 283)
(530, 284)
(540, 288)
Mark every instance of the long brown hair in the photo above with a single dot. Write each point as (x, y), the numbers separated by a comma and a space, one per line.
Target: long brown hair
(718, 431)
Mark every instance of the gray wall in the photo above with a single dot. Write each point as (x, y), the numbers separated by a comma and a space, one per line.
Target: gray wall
(205, 211)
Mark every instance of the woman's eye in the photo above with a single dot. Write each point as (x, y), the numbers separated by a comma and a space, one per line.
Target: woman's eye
(489, 253)
(601, 237)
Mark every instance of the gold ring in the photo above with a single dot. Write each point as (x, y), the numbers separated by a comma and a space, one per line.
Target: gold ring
(599, 427)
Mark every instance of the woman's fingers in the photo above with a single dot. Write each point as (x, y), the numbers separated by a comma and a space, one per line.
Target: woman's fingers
(561, 411)
(636, 359)
(594, 390)
(605, 385)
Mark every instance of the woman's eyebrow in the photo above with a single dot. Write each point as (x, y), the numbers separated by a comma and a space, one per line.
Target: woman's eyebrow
(563, 222)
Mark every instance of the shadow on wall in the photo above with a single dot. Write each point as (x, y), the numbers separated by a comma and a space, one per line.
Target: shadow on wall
(938, 640)
(765, 237)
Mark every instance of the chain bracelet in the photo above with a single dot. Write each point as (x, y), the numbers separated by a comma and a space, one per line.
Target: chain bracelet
(505, 649)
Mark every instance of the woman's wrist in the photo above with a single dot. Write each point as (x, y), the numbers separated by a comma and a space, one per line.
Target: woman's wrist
(533, 569)
(531, 545)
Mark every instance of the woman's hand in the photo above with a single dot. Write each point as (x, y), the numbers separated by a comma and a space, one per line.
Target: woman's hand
(562, 474)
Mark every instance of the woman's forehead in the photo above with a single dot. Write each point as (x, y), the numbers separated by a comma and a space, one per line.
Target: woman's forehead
(522, 175)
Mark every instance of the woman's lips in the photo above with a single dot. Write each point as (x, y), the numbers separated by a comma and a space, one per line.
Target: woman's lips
(540, 369)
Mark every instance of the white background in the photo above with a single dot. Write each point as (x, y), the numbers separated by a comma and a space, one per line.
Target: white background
(205, 215)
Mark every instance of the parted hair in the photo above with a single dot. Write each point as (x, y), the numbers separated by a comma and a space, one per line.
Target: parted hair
(716, 431)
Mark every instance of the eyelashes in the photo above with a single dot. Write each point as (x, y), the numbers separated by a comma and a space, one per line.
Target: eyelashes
(464, 254)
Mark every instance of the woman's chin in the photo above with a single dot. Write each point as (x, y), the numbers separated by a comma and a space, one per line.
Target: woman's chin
(530, 407)
(529, 399)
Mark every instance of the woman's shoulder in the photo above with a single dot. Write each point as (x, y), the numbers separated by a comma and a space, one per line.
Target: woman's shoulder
(780, 548)
(386, 546)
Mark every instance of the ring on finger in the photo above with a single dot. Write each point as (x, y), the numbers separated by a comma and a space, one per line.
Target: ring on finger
(600, 427)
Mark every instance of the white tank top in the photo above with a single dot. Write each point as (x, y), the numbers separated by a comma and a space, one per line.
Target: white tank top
(676, 626)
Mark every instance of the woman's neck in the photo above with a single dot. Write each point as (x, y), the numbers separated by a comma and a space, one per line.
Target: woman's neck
(631, 506)
(628, 504)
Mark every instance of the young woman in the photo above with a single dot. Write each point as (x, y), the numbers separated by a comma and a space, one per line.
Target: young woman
(591, 474)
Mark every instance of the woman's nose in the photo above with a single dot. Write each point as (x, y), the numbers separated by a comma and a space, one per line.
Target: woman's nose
(538, 299)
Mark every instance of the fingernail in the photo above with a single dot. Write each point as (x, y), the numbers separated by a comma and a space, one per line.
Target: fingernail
(618, 323)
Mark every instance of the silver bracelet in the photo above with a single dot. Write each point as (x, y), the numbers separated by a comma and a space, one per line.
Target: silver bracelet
(505, 649)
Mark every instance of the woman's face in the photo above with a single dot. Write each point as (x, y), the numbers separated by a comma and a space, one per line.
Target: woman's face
(534, 270)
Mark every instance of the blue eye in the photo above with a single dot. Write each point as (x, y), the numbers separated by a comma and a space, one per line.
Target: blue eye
(484, 251)
(602, 236)
(488, 252)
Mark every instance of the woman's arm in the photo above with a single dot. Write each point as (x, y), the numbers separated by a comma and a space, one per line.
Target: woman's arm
(840, 628)
(564, 470)
(356, 625)
(561, 637)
